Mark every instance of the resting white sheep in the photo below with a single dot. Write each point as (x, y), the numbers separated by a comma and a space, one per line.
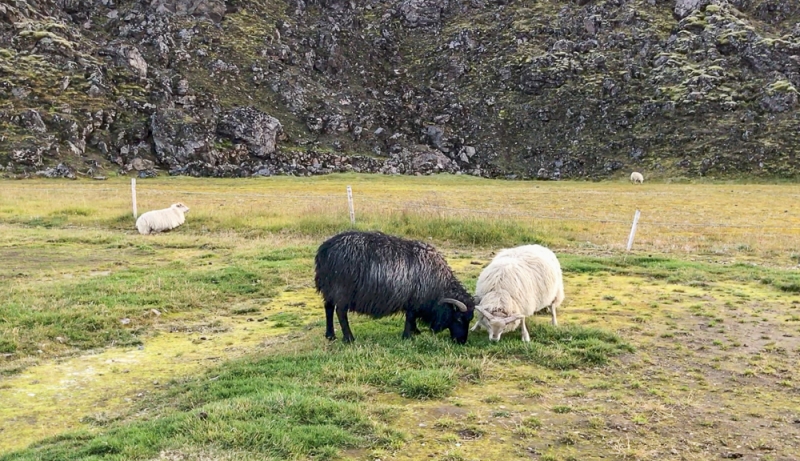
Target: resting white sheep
(516, 284)
(637, 177)
(162, 220)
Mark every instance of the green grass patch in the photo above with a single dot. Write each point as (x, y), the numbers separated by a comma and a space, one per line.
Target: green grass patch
(89, 312)
(679, 271)
(311, 398)
(7, 346)
(74, 211)
(466, 230)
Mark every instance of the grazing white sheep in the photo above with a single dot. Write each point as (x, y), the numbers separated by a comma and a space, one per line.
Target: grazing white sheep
(637, 177)
(516, 284)
(162, 220)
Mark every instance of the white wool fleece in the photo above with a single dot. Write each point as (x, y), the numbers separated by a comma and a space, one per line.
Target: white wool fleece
(516, 284)
(162, 220)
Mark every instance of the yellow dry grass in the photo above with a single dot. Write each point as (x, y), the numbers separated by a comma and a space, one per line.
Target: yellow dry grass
(745, 221)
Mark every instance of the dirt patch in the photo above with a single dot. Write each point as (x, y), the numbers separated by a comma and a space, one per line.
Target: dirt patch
(29, 261)
(712, 378)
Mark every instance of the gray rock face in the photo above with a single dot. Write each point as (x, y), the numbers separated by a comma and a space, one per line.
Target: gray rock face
(27, 157)
(179, 138)
(780, 100)
(59, 171)
(576, 91)
(421, 13)
(419, 160)
(257, 130)
(183, 87)
(435, 134)
(430, 161)
(140, 164)
(684, 8)
(211, 9)
(33, 121)
(131, 56)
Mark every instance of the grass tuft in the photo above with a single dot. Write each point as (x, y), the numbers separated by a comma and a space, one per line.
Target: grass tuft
(309, 399)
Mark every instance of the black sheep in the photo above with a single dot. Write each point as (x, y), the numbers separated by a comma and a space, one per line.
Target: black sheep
(378, 275)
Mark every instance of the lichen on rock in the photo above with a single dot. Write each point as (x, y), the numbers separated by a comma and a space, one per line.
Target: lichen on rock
(546, 90)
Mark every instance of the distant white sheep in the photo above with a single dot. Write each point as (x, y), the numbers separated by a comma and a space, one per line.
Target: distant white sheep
(516, 284)
(637, 177)
(162, 220)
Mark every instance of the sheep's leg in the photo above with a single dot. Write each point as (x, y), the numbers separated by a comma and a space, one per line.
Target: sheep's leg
(411, 326)
(557, 303)
(414, 328)
(329, 308)
(525, 335)
(347, 335)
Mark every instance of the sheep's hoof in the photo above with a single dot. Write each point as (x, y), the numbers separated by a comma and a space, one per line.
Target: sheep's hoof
(331, 337)
(348, 339)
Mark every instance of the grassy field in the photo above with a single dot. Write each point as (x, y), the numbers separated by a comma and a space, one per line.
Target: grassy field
(207, 342)
(701, 220)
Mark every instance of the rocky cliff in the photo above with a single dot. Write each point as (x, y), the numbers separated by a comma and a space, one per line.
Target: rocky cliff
(509, 88)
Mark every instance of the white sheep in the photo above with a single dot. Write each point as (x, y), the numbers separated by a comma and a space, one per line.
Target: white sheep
(516, 284)
(637, 177)
(162, 220)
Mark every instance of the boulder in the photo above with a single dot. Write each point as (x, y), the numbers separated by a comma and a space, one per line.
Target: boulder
(180, 138)
(249, 126)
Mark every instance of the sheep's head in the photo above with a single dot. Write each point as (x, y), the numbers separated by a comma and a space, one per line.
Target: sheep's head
(496, 316)
(180, 206)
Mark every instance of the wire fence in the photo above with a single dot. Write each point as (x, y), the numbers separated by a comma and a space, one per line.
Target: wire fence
(680, 228)
(411, 204)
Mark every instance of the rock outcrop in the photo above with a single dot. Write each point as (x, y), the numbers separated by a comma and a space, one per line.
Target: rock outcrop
(582, 89)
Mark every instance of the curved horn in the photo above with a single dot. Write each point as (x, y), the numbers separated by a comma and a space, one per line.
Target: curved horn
(515, 318)
(461, 306)
(484, 312)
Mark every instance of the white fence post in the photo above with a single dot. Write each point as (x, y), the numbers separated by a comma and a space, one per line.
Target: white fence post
(350, 204)
(133, 197)
(633, 229)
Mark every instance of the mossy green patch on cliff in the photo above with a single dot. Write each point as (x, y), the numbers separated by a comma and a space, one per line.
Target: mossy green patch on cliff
(782, 86)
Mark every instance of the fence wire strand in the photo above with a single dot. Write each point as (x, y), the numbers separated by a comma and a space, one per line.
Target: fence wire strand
(421, 205)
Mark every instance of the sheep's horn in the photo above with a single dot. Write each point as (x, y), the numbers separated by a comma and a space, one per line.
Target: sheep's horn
(461, 306)
(484, 312)
(514, 318)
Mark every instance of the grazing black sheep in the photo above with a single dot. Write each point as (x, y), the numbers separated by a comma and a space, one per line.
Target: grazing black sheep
(378, 275)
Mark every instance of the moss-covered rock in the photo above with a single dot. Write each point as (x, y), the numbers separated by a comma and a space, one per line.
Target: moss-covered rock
(526, 88)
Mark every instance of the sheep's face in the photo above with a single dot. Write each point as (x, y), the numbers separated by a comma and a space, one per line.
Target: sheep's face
(455, 316)
(459, 327)
(180, 206)
(496, 316)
